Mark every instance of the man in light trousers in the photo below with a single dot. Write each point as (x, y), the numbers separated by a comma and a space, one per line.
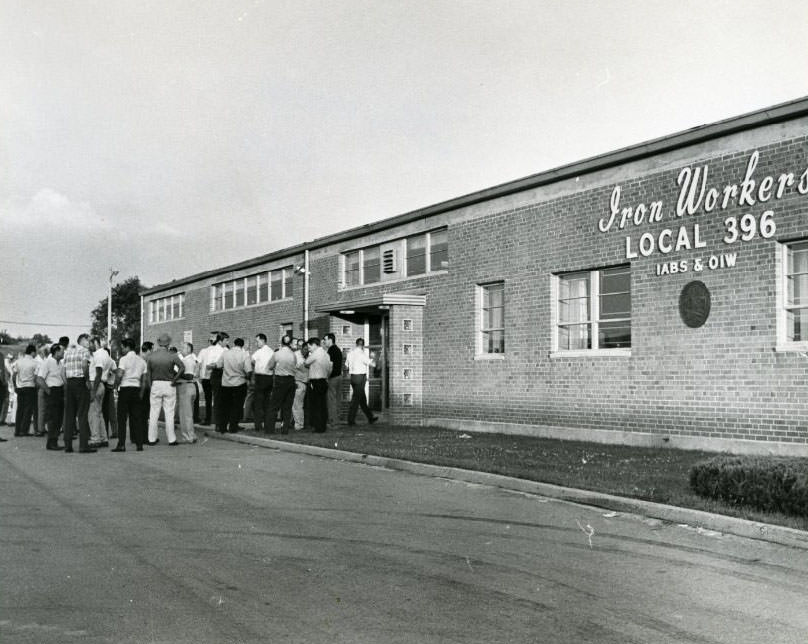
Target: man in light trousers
(163, 376)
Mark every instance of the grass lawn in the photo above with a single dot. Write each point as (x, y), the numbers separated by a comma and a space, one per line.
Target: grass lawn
(651, 474)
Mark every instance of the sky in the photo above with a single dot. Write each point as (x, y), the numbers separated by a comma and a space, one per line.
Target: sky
(164, 138)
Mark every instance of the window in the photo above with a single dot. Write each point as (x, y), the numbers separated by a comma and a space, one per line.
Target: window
(352, 269)
(252, 290)
(416, 255)
(492, 318)
(371, 265)
(166, 308)
(288, 274)
(594, 310)
(438, 250)
(410, 256)
(286, 330)
(218, 297)
(276, 285)
(796, 292)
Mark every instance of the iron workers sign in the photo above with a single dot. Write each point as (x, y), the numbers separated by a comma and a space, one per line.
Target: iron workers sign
(696, 197)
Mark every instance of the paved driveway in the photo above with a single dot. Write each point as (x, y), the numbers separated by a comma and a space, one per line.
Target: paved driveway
(221, 542)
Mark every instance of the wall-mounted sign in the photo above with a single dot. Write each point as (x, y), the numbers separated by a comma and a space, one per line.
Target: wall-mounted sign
(697, 197)
(694, 304)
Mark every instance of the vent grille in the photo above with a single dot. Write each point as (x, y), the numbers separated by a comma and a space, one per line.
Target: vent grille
(389, 261)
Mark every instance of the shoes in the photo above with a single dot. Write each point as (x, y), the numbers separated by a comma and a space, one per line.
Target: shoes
(40, 434)
(154, 442)
(372, 420)
(140, 448)
(174, 444)
(119, 448)
(87, 450)
(55, 448)
(193, 442)
(68, 450)
(100, 444)
(3, 440)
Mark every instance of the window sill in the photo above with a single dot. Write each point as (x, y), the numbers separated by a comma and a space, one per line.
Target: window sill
(166, 321)
(592, 353)
(489, 356)
(795, 347)
(252, 306)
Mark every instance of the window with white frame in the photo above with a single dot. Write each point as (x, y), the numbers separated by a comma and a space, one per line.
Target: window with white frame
(166, 309)
(594, 310)
(407, 257)
(492, 318)
(259, 288)
(794, 311)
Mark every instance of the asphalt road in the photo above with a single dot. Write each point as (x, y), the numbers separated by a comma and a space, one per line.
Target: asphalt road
(220, 542)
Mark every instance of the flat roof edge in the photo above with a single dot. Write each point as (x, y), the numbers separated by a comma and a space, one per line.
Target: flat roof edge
(767, 116)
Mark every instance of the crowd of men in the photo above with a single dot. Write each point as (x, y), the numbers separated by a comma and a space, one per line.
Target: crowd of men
(78, 389)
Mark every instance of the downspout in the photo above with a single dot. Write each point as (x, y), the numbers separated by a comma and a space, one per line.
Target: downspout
(306, 287)
(142, 340)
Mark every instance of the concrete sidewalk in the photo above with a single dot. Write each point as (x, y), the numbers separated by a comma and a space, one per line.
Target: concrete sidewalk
(696, 518)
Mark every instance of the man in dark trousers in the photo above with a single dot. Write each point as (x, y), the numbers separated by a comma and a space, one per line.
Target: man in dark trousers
(334, 378)
(359, 361)
(283, 362)
(76, 366)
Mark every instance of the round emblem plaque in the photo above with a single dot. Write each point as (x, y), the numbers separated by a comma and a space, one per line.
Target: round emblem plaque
(694, 304)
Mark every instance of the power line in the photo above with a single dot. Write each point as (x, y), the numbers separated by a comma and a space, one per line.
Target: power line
(77, 326)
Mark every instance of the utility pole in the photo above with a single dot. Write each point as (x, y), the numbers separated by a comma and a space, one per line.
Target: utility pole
(112, 274)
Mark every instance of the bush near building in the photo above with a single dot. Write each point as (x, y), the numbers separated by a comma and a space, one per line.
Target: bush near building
(771, 484)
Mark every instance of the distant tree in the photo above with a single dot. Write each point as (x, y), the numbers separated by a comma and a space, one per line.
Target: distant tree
(6, 337)
(125, 312)
(40, 338)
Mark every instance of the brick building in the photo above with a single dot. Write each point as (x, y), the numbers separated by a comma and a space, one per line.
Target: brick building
(653, 295)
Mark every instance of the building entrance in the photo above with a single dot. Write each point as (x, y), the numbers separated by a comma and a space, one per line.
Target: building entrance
(376, 341)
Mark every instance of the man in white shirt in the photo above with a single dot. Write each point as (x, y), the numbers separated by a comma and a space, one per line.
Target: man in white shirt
(186, 393)
(99, 372)
(40, 428)
(204, 377)
(236, 369)
(24, 372)
(320, 366)
(130, 381)
(262, 380)
(51, 383)
(358, 361)
(213, 374)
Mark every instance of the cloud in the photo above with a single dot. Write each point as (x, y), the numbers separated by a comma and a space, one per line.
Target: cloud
(50, 209)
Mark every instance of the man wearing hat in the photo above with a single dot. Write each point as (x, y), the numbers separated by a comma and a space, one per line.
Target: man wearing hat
(163, 369)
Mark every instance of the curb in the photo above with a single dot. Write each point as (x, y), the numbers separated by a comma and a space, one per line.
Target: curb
(780, 535)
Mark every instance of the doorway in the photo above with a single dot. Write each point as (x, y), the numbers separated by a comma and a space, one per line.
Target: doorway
(377, 333)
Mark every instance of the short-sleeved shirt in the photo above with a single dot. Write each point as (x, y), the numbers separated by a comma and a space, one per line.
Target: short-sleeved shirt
(237, 367)
(208, 357)
(161, 363)
(75, 357)
(133, 367)
(261, 358)
(51, 372)
(319, 364)
(336, 361)
(190, 361)
(358, 361)
(283, 362)
(26, 368)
